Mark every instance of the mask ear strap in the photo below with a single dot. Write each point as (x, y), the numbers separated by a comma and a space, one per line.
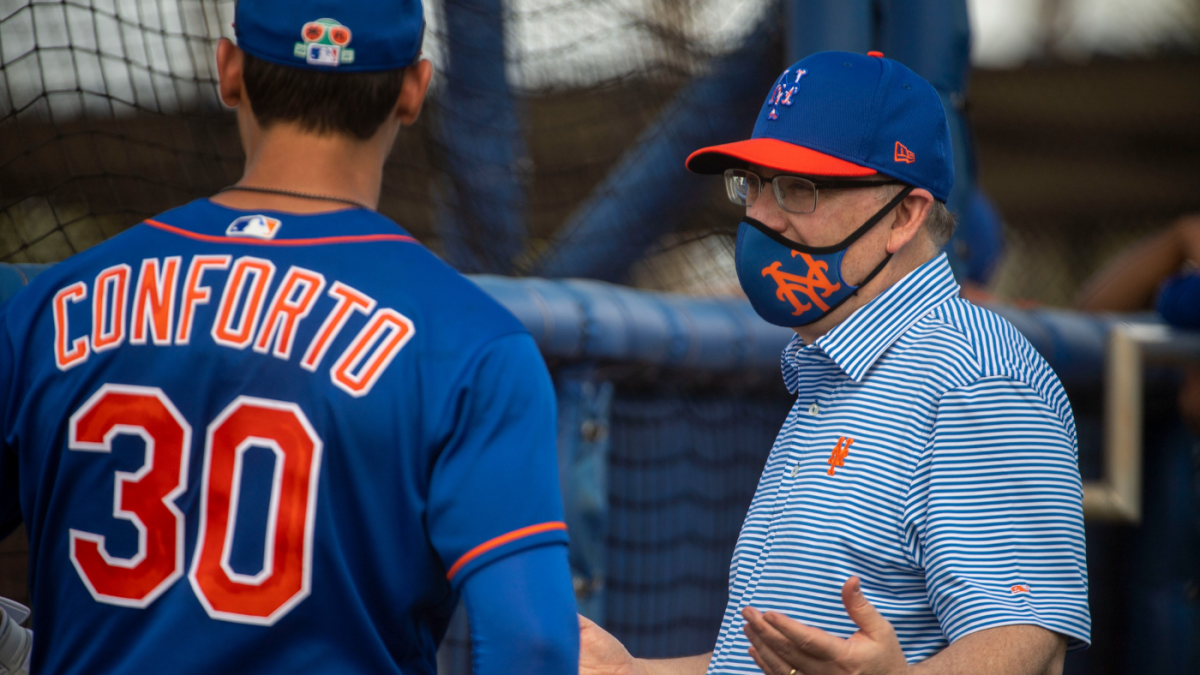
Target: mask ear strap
(887, 208)
(877, 270)
(854, 236)
(868, 225)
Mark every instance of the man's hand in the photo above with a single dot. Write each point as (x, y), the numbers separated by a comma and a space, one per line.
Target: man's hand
(784, 646)
(601, 653)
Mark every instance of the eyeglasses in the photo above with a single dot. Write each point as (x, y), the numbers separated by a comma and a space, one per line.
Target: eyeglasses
(794, 194)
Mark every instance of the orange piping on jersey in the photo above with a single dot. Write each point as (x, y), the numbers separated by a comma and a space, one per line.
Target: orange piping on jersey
(320, 241)
(500, 541)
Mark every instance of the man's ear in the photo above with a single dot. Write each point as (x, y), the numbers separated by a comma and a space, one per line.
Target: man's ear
(910, 214)
(229, 73)
(412, 91)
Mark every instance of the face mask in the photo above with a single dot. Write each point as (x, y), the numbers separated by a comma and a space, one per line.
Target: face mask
(790, 284)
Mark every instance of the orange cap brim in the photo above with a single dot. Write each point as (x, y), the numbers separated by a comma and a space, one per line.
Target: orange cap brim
(772, 154)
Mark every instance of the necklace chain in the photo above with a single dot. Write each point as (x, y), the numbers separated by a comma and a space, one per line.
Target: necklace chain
(294, 193)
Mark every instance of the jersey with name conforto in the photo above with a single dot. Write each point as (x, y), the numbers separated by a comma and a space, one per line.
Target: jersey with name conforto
(265, 443)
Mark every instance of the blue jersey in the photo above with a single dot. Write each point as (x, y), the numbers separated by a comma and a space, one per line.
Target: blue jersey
(265, 443)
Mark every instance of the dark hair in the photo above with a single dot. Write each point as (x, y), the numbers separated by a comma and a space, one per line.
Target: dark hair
(353, 104)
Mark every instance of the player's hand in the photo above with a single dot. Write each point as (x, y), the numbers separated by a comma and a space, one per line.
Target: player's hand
(601, 653)
(781, 644)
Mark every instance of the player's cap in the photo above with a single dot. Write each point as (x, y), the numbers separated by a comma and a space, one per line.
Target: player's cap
(331, 35)
(844, 114)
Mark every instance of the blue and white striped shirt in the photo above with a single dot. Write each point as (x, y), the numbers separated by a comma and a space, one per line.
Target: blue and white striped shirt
(931, 451)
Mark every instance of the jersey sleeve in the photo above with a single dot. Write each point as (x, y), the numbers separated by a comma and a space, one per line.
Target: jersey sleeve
(494, 488)
(10, 507)
(521, 611)
(995, 514)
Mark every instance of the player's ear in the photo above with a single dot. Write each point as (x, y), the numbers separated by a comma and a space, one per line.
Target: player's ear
(229, 72)
(412, 91)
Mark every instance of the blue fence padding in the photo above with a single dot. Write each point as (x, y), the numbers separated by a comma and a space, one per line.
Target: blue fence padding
(15, 277)
(824, 25)
(648, 192)
(578, 319)
(584, 434)
(591, 320)
(481, 209)
(1073, 343)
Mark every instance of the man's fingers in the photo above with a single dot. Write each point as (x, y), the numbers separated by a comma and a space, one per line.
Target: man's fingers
(762, 665)
(802, 646)
(767, 658)
(807, 642)
(862, 612)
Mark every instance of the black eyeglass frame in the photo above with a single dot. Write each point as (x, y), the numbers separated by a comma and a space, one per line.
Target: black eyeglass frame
(816, 185)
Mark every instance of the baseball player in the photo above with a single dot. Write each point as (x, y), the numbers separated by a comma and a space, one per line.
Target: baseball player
(270, 432)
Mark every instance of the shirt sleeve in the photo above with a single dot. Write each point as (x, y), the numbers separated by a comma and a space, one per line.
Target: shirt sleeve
(494, 488)
(1179, 301)
(996, 514)
(521, 610)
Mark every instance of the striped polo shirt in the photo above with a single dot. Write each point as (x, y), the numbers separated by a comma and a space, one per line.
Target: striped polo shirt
(931, 451)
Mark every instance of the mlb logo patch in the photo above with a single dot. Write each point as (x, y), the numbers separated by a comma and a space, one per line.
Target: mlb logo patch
(324, 43)
(257, 227)
(324, 55)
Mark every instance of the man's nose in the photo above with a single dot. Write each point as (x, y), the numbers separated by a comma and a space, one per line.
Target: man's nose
(766, 210)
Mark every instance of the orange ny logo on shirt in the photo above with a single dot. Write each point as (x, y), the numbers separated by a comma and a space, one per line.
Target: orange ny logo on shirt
(810, 285)
(837, 458)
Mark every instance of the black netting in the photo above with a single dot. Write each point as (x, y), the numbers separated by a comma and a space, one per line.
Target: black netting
(109, 111)
(682, 470)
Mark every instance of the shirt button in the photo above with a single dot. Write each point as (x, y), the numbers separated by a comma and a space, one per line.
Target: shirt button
(813, 409)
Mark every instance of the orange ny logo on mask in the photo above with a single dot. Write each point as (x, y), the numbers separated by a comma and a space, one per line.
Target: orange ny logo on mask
(815, 285)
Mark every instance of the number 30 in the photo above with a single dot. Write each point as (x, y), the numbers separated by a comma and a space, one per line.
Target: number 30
(146, 498)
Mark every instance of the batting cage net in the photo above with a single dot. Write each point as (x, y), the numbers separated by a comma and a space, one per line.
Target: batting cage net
(109, 113)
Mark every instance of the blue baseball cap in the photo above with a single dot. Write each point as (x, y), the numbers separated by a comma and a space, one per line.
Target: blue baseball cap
(845, 114)
(330, 35)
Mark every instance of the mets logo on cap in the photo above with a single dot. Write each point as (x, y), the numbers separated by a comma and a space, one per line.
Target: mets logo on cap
(324, 43)
(257, 227)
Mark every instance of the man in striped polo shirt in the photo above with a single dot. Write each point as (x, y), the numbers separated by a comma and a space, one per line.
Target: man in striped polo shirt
(921, 510)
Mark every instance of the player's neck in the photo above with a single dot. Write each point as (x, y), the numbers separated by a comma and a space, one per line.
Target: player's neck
(287, 158)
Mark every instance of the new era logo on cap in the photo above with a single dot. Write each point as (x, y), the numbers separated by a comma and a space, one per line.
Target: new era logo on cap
(903, 154)
(257, 227)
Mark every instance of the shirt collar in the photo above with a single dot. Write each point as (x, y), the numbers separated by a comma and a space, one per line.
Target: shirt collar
(858, 342)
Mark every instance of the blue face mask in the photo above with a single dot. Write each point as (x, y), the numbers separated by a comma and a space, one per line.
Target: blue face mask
(790, 284)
